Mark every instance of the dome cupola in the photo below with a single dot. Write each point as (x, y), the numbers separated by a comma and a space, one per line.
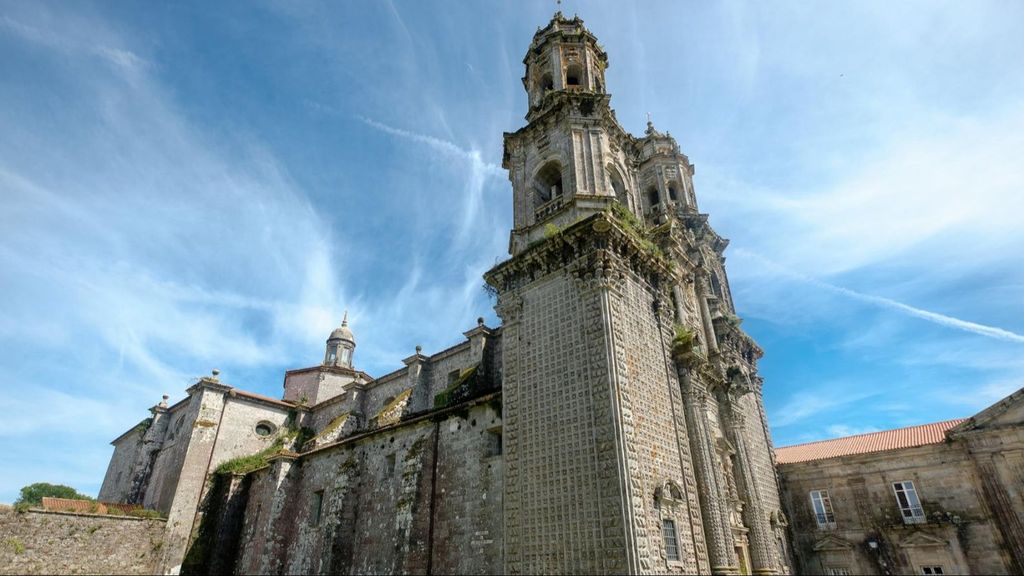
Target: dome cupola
(340, 346)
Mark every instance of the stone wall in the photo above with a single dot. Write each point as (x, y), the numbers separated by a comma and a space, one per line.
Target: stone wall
(422, 495)
(38, 542)
(117, 481)
(657, 447)
(959, 532)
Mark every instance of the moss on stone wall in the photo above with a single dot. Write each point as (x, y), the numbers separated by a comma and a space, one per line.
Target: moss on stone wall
(458, 390)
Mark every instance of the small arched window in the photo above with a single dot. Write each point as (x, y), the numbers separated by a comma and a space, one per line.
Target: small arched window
(652, 196)
(573, 75)
(672, 195)
(674, 492)
(618, 187)
(547, 184)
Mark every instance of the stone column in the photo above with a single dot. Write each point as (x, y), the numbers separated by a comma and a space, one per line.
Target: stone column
(717, 534)
(762, 541)
(680, 312)
(705, 315)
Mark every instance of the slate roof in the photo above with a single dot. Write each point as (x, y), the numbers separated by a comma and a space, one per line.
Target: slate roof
(909, 437)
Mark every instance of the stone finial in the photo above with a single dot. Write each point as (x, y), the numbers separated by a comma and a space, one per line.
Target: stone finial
(215, 373)
(419, 348)
(163, 402)
(480, 321)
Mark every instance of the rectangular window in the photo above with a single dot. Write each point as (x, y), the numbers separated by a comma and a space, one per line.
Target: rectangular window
(668, 532)
(822, 506)
(932, 570)
(316, 508)
(390, 464)
(494, 442)
(910, 505)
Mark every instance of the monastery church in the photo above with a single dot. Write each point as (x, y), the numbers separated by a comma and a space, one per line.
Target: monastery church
(613, 423)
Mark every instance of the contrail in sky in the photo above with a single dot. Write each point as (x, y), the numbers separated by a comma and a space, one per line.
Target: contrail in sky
(935, 317)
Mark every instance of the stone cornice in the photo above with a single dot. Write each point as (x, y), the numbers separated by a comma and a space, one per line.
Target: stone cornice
(595, 247)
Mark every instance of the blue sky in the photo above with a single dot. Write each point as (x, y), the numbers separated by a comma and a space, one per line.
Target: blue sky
(186, 186)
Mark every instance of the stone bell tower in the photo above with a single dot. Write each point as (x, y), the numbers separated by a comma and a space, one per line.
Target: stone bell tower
(634, 434)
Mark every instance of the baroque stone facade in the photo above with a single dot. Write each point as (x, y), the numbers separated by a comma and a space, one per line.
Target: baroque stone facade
(614, 423)
(948, 499)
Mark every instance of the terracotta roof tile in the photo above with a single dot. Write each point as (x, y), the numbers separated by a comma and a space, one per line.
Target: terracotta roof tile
(933, 433)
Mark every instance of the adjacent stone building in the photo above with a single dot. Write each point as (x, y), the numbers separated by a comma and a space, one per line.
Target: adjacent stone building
(942, 498)
(614, 423)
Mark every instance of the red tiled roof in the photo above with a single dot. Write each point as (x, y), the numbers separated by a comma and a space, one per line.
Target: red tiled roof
(86, 506)
(933, 433)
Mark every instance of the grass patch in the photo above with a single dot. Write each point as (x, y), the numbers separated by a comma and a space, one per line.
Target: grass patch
(635, 229)
(290, 438)
(682, 340)
(551, 230)
(14, 545)
(144, 513)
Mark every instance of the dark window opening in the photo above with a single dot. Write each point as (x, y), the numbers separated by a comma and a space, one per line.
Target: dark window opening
(548, 183)
(652, 197)
(264, 429)
(617, 186)
(668, 533)
(494, 446)
(573, 75)
(672, 194)
(390, 464)
(316, 508)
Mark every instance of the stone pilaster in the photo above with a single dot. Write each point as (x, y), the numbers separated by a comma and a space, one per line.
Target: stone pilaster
(1002, 507)
(755, 517)
(713, 500)
(510, 310)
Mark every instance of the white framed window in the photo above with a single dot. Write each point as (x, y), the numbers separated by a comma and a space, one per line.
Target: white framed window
(837, 571)
(668, 533)
(822, 506)
(932, 570)
(909, 503)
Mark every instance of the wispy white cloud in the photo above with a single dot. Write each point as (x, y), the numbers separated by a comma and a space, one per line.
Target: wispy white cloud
(888, 303)
(477, 175)
(70, 45)
(816, 401)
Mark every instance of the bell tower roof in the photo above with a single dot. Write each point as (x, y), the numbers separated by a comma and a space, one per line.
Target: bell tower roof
(564, 57)
(343, 332)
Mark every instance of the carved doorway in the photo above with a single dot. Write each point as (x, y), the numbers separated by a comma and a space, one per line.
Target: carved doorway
(744, 559)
